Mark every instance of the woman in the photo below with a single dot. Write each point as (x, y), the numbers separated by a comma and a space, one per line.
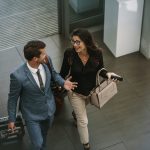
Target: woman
(83, 60)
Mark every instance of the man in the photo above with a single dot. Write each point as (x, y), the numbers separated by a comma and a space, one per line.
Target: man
(31, 83)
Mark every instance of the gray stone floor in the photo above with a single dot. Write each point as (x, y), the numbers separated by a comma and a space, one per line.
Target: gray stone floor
(122, 124)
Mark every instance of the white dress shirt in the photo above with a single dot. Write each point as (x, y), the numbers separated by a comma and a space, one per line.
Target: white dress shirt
(34, 73)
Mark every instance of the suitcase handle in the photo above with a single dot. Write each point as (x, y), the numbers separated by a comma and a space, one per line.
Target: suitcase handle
(8, 134)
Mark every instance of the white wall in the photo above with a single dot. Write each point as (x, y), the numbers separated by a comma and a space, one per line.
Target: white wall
(122, 25)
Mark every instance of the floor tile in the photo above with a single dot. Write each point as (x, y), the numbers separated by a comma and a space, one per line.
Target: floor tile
(119, 146)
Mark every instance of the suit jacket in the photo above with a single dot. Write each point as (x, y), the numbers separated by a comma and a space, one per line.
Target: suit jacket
(35, 104)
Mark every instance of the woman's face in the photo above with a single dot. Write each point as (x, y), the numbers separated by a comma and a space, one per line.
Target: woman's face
(78, 44)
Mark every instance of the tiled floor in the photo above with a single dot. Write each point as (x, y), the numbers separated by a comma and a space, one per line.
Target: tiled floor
(122, 124)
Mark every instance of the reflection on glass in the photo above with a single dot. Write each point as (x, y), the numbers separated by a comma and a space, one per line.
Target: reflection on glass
(85, 9)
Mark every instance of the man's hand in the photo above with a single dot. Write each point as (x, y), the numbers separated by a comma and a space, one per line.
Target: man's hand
(68, 85)
(11, 125)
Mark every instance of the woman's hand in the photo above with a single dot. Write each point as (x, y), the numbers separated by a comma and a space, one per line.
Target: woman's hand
(114, 76)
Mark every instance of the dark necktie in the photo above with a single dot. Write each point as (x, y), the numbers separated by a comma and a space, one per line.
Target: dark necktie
(40, 80)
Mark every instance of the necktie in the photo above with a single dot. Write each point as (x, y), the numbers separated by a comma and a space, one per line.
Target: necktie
(40, 80)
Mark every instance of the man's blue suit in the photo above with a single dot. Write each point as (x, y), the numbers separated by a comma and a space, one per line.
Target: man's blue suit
(36, 105)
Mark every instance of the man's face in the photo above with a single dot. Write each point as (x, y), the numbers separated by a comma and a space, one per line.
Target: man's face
(41, 59)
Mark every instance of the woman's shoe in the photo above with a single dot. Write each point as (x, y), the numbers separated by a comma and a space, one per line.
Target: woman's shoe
(86, 146)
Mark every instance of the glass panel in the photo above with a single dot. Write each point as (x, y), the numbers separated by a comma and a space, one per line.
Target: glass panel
(85, 13)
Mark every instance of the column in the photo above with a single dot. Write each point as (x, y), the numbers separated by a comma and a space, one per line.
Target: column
(122, 26)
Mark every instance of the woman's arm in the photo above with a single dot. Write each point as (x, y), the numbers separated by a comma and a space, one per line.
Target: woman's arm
(66, 63)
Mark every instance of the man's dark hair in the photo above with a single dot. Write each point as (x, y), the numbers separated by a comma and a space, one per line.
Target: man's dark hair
(32, 49)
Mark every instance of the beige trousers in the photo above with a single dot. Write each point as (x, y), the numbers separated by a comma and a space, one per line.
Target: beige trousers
(79, 103)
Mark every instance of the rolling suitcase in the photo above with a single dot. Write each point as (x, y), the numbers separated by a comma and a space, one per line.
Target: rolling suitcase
(6, 135)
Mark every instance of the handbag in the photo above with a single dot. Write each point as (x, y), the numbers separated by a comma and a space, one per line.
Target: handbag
(103, 91)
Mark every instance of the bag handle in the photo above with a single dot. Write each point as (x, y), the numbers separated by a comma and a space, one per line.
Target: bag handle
(48, 64)
(98, 81)
(98, 77)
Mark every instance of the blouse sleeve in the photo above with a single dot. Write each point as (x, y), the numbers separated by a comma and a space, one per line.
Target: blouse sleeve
(65, 64)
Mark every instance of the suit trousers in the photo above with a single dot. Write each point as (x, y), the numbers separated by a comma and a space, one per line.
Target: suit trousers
(79, 103)
(38, 132)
